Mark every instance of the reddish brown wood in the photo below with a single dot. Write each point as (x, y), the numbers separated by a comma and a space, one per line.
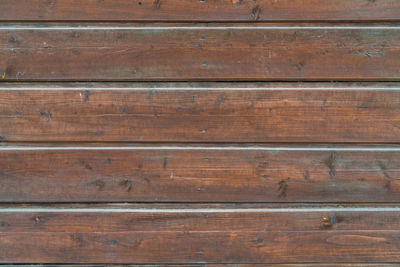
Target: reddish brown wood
(192, 142)
(211, 234)
(304, 113)
(110, 52)
(236, 265)
(187, 10)
(169, 217)
(202, 174)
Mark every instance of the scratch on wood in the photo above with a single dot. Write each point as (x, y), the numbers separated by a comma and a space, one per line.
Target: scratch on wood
(127, 184)
(87, 94)
(389, 179)
(282, 188)
(255, 12)
(46, 114)
(331, 163)
(165, 163)
(157, 4)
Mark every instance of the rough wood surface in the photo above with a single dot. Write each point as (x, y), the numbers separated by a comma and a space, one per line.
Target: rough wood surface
(200, 174)
(244, 130)
(192, 234)
(210, 113)
(229, 265)
(188, 10)
(110, 52)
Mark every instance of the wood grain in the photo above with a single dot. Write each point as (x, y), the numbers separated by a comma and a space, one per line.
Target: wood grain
(207, 234)
(214, 122)
(156, 52)
(199, 174)
(207, 113)
(186, 10)
(380, 264)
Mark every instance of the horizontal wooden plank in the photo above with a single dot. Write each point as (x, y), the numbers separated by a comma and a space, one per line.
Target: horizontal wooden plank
(199, 52)
(192, 234)
(231, 265)
(325, 113)
(199, 174)
(186, 10)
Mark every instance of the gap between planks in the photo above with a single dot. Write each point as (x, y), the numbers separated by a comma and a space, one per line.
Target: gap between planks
(171, 209)
(42, 27)
(188, 147)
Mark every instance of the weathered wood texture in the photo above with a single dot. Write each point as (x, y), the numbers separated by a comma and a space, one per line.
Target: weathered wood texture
(199, 174)
(207, 234)
(215, 138)
(109, 52)
(188, 10)
(337, 114)
(224, 265)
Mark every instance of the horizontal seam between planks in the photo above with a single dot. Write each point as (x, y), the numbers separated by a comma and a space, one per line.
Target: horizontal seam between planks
(201, 80)
(200, 88)
(62, 28)
(225, 148)
(198, 210)
(326, 20)
(341, 231)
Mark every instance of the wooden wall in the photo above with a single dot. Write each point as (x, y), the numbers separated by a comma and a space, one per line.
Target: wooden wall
(196, 133)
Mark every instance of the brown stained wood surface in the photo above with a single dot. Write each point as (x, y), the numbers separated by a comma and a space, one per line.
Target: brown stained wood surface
(207, 234)
(129, 52)
(200, 133)
(199, 174)
(159, 247)
(340, 113)
(208, 10)
(226, 265)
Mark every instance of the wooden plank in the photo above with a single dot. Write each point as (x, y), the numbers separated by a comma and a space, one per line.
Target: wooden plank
(199, 174)
(199, 52)
(314, 113)
(221, 265)
(186, 10)
(199, 234)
